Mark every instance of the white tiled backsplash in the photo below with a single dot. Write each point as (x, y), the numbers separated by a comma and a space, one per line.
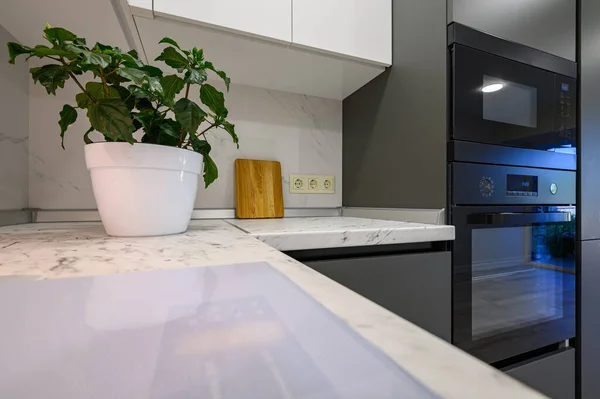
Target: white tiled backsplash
(303, 133)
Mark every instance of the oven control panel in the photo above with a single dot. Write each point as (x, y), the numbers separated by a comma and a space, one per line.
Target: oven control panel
(476, 184)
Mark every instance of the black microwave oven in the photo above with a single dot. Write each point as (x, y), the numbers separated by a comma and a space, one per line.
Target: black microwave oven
(508, 94)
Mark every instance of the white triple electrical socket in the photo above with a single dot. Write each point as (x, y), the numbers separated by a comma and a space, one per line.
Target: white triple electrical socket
(312, 184)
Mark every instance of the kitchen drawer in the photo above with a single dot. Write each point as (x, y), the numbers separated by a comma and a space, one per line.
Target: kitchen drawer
(417, 287)
(552, 375)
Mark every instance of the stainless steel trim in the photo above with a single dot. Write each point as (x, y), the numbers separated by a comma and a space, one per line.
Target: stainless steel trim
(512, 218)
(92, 215)
(429, 216)
(12, 217)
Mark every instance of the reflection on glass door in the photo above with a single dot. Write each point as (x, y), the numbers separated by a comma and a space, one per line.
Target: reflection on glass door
(522, 276)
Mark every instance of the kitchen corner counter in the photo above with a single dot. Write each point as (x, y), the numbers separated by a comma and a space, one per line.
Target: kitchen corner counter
(290, 234)
(49, 251)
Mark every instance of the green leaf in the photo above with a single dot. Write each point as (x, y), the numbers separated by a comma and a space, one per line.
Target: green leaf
(50, 76)
(195, 75)
(80, 41)
(127, 97)
(94, 57)
(133, 74)
(143, 104)
(59, 35)
(86, 136)
(211, 172)
(189, 115)
(221, 74)
(15, 49)
(214, 100)
(171, 128)
(97, 92)
(172, 85)
(103, 47)
(198, 55)
(68, 116)
(230, 128)
(152, 71)
(200, 146)
(147, 119)
(134, 54)
(154, 85)
(111, 118)
(41, 51)
(172, 58)
(168, 40)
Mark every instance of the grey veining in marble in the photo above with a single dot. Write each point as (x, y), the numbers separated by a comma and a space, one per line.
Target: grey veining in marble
(291, 234)
(57, 250)
(304, 133)
(14, 130)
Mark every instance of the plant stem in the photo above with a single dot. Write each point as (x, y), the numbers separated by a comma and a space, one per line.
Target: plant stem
(62, 61)
(187, 90)
(104, 84)
(208, 128)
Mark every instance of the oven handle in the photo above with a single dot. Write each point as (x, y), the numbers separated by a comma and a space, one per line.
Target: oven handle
(516, 218)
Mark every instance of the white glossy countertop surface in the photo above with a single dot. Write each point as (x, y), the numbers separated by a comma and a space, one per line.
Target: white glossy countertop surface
(290, 234)
(49, 251)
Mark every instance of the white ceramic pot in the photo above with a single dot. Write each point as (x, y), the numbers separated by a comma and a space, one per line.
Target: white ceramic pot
(143, 189)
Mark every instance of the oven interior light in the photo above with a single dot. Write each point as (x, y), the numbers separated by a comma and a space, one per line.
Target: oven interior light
(492, 88)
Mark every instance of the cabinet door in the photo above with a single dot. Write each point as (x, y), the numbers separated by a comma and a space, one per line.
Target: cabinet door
(416, 287)
(266, 18)
(588, 336)
(357, 28)
(553, 375)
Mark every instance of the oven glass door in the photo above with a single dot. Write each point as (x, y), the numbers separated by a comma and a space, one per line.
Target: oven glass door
(503, 102)
(514, 279)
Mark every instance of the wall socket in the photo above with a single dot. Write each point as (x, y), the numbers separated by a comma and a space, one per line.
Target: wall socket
(312, 184)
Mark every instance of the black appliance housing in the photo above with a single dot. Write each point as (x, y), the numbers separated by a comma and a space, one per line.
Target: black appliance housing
(510, 95)
(513, 259)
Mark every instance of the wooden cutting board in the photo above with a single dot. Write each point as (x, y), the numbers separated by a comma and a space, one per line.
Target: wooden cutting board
(258, 189)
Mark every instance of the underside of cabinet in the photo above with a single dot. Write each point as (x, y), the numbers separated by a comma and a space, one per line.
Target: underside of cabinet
(259, 62)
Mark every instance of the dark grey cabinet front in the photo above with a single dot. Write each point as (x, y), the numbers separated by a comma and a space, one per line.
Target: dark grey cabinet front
(553, 375)
(589, 144)
(417, 287)
(589, 331)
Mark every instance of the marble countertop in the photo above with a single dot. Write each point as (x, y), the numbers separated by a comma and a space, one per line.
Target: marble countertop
(56, 250)
(291, 234)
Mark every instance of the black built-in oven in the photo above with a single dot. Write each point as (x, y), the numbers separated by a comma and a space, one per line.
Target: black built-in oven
(508, 94)
(513, 259)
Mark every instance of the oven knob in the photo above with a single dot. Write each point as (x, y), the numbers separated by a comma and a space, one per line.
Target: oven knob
(553, 188)
(486, 187)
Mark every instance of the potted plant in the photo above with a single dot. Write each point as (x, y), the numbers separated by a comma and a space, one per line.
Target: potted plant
(145, 186)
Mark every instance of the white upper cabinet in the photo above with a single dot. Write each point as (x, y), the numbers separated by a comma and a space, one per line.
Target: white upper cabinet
(324, 48)
(265, 18)
(356, 28)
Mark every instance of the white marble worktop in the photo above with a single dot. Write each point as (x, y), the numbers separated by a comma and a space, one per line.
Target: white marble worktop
(48, 251)
(291, 234)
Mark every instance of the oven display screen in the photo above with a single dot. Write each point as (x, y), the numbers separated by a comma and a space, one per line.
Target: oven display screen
(521, 184)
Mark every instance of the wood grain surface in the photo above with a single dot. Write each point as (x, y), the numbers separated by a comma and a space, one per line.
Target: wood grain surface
(258, 193)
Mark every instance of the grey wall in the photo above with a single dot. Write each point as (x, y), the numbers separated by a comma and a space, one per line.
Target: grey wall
(547, 25)
(14, 130)
(394, 144)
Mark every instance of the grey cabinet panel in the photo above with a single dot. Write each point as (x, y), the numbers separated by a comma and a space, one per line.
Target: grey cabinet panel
(547, 25)
(394, 147)
(589, 332)
(553, 375)
(416, 287)
(589, 147)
